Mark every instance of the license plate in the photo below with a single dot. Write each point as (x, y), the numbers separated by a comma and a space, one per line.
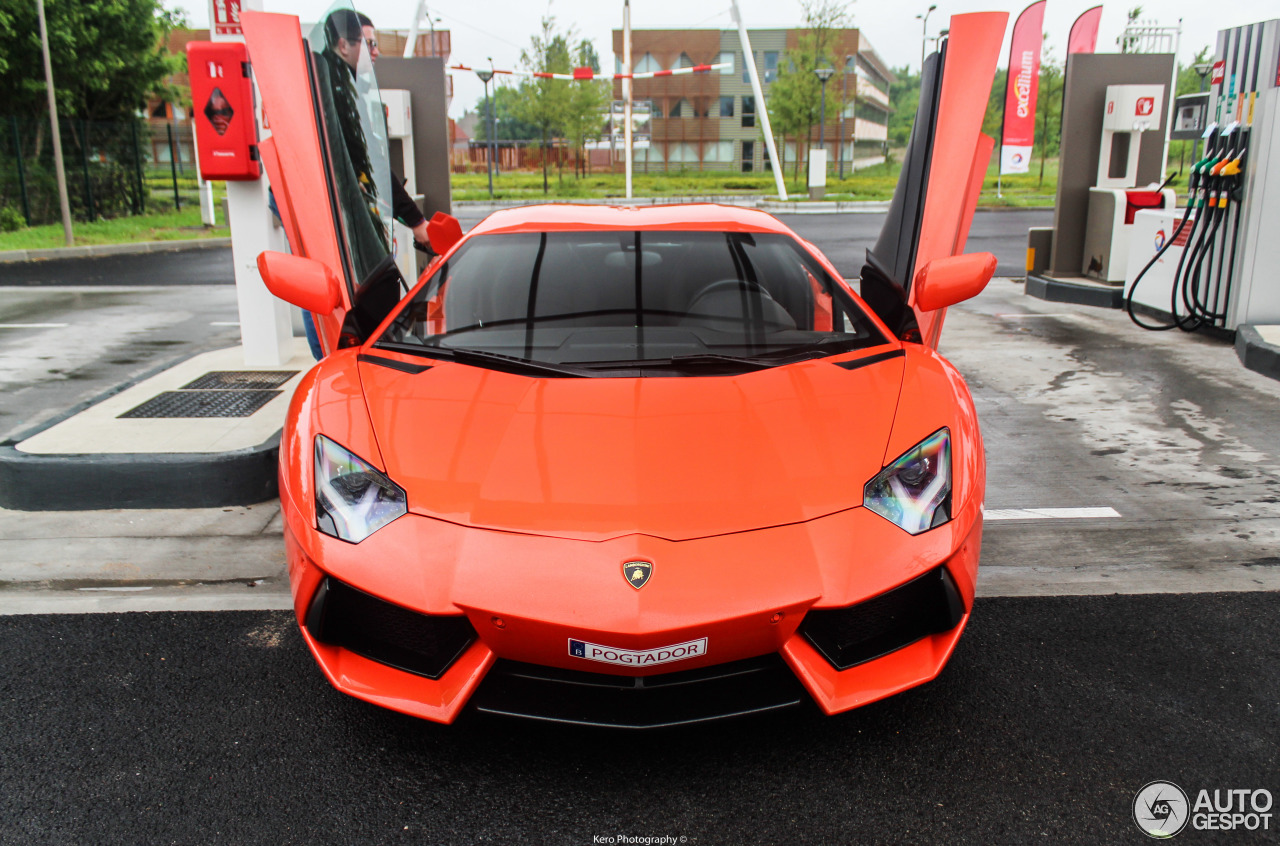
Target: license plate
(638, 657)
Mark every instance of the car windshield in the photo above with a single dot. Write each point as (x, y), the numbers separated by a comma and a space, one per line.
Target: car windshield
(608, 302)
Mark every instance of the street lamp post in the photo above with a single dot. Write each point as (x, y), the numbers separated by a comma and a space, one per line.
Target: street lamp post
(60, 171)
(485, 76)
(844, 98)
(1202, 68)
(924, 34)
(493, 123)
(823, 75)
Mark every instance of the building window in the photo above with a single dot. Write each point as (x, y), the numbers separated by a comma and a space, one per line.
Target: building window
(684, 61)
(748, 111)
(647, 64)
(748, 156)
(726, 59)
(681, 109)
(770, 66)
(746, 72)
(718, 151)
(726, 107)
(682, 153)
(871, 113)
(655, 108)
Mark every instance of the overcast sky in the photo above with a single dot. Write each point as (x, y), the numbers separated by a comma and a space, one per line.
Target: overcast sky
(501, 28)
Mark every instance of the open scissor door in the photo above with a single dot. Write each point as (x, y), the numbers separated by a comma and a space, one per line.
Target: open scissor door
(941, 176)
(326, 161)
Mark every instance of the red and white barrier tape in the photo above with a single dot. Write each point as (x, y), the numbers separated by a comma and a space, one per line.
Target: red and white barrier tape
(588, 74)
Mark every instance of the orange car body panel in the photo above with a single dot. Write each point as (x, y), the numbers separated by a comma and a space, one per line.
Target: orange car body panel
(296, 167)
(598, 458)
(973, 48)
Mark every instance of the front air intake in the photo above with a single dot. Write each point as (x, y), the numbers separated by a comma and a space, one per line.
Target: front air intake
(424, 644)
(929, 604)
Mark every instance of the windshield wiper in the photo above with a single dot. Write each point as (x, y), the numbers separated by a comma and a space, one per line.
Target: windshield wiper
(484, 358)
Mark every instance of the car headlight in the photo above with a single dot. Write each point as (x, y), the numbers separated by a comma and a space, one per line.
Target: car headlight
(914, 492)
(353, 498)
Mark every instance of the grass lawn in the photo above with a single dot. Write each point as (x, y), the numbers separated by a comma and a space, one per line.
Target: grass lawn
(873, 183)
(162, 226)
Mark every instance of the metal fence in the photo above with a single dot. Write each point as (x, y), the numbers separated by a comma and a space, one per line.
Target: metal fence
(113, 168)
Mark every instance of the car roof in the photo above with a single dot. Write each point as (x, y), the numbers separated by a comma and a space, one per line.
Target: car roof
(564, 217)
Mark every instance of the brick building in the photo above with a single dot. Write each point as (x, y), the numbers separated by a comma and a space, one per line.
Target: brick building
(710, 121)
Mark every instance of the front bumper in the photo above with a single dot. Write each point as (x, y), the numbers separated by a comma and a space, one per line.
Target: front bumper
(517, 629)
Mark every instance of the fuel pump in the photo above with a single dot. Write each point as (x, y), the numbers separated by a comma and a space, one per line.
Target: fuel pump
(1115, 199)
(1197, 296)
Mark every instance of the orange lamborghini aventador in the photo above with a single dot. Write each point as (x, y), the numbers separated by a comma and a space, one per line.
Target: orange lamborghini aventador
(625, 466)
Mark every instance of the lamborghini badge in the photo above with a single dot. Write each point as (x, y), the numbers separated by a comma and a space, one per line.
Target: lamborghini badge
(637, 573)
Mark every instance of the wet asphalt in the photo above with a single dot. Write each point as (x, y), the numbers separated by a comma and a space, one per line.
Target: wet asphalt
(205, 266)
(1053, 713)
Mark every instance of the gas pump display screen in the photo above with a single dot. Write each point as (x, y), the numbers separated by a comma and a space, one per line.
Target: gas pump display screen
(1190, 115)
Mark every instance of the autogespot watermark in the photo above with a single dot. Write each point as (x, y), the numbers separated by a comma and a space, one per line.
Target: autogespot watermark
(640, 839)
(1163, 809)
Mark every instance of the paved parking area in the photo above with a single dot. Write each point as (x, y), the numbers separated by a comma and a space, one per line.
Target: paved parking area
(1053, 713)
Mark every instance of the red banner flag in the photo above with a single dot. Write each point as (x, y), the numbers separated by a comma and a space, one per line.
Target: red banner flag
(1084, 32)
(1018, 135)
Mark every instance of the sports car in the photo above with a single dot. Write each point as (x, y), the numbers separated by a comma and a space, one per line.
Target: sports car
(624, 466)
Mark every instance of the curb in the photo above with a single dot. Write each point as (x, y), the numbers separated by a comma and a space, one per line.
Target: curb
(96, 481)
(1255, 353)
(96, 250)
(87, 482)
(1061, 291)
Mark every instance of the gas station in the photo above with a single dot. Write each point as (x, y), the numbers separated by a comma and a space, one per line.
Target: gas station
(1128, 584)
(1118, 239)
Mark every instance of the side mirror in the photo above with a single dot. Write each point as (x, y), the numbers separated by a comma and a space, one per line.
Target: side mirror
(443, 231)
(304, 282)
(947, 281)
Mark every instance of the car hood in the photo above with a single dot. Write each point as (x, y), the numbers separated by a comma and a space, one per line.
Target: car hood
(597, 458)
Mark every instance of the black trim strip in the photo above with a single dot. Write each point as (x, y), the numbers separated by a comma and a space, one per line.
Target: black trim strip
(403, 366)
(869, 360)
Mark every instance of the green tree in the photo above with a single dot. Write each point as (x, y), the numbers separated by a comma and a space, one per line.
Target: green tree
(108, 59)
(544, 103)
(795, 98)
(1049, 106)
(507, 126)
(1129, 43)
(904, 99)
(108, 56)
(589, 100)
(993, 120)
(1189, 79)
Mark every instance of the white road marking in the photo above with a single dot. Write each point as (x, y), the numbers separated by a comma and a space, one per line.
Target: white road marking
(118, 589)
(1049, 513)
(225, 323)
(34, 325)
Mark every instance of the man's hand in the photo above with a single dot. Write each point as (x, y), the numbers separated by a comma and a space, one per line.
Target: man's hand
(420, 234)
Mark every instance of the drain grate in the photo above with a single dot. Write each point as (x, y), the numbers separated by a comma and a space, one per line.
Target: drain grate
(239, 403)
(238, 380)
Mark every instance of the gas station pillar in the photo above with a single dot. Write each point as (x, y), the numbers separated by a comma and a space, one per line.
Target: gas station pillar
(266, 327)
